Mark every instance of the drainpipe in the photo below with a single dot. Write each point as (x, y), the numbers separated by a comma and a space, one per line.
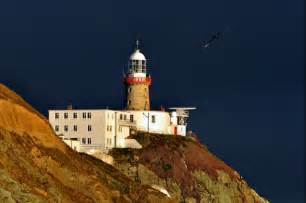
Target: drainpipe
(115, 130)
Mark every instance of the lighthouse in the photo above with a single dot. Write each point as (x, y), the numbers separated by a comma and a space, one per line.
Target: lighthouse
(87, 130)
(137, 82)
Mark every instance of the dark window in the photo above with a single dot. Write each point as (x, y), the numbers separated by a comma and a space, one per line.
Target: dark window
(56, 128)
(65, 115)
(153, 119)
(56, 115)
(121, 117)
(89, 141)
(110, 128)
(83, 140)
(75, 128)
(66, 128)
(88, 115)
(84, 115)
(132, 118)
(124, 117)
(89, 127)
(75, 115)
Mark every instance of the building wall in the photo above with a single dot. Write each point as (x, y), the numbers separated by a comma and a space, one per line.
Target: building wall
(152, 121)
(137, 97)
(102, 124)
(105, 129)
(74, 144)
(90, 126)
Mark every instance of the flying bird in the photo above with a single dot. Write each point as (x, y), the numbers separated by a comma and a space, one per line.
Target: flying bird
(213, 38)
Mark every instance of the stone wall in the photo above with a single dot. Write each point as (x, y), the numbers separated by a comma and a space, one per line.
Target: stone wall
(137, 97)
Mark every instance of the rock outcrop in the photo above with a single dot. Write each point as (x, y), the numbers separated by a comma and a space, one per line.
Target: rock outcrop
(36, 166)
(185, 169)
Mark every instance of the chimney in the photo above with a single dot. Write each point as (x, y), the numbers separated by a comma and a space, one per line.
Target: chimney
(69, 107)
(162, 108)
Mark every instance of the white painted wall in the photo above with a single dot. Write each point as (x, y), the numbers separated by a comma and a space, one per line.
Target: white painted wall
(152, 121)
(94, 138)
(74, 144)
(110, 128)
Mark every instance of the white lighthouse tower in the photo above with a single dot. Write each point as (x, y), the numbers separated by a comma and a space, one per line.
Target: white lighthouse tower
(137, 82)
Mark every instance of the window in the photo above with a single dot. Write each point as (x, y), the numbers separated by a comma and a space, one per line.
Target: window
(56, 115)
(132, 118)
(89, 141)
(121, 116)
(75, 128)
(129, 102)
(124, 117)
(83, 140)
(153, 119)
(65, 115)
(84, 115)
(75, 115)
(88, 115)
(130, 89)
(56, 128)
(107, 128)
(66, 128)
(89, 127)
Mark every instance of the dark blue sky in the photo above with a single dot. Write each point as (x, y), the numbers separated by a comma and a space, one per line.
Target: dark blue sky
(248, 87)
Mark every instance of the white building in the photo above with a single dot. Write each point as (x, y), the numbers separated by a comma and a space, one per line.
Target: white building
(102, 129)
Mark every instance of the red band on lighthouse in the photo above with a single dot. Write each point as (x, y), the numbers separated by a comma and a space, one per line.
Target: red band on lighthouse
(130, 80)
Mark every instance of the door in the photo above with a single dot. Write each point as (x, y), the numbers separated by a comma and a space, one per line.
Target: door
(175, 130)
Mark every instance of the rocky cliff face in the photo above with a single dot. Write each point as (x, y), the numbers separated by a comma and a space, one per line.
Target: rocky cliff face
(185, 169)
(36, 166)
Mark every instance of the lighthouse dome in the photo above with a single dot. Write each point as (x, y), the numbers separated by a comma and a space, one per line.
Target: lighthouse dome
(137, 55)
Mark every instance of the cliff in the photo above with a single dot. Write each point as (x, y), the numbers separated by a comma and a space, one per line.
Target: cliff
(184, 169)
(36, 166)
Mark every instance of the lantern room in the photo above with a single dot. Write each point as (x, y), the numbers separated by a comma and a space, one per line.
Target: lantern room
(137, 63)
